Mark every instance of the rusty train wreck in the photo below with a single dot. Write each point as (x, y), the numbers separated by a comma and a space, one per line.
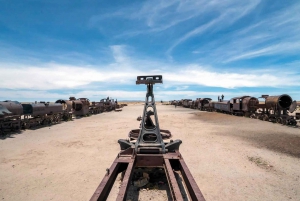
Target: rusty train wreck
(149, 150)
(276, 109)
(15, 115)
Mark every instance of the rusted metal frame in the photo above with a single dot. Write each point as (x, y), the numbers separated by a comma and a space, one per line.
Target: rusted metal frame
(149, 160)
(106, 184)
(190, 182)
(125, 183)
(174, 188)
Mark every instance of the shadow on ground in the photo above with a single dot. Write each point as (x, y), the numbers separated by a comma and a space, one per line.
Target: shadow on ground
(272, 136)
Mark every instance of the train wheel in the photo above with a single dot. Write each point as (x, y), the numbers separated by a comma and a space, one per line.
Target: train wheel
(50, 121)
(285, 122)
(279, 120)
(26, 125)
(265, 118)
(292, 122)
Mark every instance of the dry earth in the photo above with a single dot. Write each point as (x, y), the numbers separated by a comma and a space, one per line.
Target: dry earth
(231, 158)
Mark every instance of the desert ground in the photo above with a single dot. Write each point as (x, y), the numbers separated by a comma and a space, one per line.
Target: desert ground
(230, 157)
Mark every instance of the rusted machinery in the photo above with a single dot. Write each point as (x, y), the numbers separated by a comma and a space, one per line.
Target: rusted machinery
(149, 150)
(185, 102)
(190, 104)
(276, 108)
(172, 102)
(202, 102)
(67, 106)
(109, 104)
(96, 107)
(10, 116)
(195, 103)
(15, 116)
(41, 113)
(273, 108)
(209, 106)
(80, 106)
(244, 105)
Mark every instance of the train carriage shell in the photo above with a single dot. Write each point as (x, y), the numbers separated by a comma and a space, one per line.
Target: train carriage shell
(11, 108)
(203, 101)
(53, 108)
(81, 106)
(34, 109)
(66, 105)
(244, 103)
(185, 102)
(222, 106)
(77, 105)
(209, 105)
(250, 104)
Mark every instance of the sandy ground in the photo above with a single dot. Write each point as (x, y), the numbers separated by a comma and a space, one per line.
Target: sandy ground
(231, 158)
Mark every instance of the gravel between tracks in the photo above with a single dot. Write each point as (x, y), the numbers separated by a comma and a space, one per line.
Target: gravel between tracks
(231, 158)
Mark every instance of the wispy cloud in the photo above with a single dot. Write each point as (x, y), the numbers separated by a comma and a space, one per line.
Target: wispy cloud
(275, 34)
(225, 18)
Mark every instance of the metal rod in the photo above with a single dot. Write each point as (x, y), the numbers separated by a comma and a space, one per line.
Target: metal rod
(175, 191)
(125, 183)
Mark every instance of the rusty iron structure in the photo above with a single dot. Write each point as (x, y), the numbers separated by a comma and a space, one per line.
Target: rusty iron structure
(276, 109)
(15, 116)
(80, 106)
(10, 116)
(202, 102)
(109, 104)
(67, 107)
(149, 150)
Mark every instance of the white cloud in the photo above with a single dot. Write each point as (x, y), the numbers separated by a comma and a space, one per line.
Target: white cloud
(57, 76)
(204, 77)
(36, 81)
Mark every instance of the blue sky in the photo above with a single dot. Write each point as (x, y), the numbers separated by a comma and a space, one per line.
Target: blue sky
(54, 49)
